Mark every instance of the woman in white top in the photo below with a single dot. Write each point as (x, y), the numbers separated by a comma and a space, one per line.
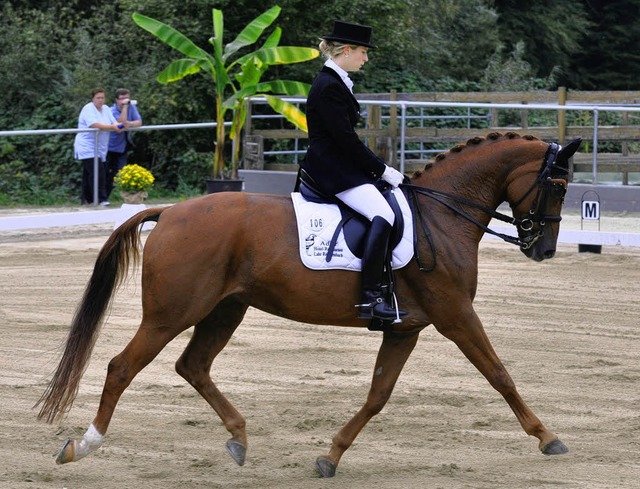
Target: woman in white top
(95, 115)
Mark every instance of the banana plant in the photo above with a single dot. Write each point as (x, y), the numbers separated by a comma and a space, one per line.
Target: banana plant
(235, 77)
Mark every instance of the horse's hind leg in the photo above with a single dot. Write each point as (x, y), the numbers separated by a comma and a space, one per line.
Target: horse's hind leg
(143, 347)
(392, 356)
(209, 338)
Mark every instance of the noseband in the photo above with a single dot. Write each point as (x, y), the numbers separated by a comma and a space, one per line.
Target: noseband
(544, 184)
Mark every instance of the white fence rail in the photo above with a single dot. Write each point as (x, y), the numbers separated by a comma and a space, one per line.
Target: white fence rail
(118, 216)
(18, 222)
(40, 132)
(405, 106)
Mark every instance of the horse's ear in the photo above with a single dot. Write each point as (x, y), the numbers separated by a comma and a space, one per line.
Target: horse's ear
(567, 152)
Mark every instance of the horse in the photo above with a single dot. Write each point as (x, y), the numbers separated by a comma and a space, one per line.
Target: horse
(210, 258)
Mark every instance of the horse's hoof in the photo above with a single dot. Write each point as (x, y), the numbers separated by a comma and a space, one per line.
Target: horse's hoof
(326, 467)
(67, 454)
(237, 451)
(556, 447)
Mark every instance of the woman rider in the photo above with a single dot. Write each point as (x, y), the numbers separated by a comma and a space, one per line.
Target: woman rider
(342, 165)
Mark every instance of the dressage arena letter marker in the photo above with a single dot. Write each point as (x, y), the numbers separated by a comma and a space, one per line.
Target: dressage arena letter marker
(590, 210)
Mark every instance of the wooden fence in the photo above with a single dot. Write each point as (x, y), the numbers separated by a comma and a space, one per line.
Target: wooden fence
(384, 130)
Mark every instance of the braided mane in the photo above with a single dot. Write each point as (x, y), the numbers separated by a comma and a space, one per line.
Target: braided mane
(494, 136)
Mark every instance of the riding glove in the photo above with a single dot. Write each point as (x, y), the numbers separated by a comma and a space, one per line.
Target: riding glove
(392, 176)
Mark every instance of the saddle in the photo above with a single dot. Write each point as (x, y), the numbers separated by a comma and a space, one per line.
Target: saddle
(353, 224)
(350, 232)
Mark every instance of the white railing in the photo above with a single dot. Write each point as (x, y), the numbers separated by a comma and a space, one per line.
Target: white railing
(404, 106)
(96, 161)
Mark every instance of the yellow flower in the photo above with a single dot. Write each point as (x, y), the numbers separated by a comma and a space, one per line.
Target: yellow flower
(134, 178)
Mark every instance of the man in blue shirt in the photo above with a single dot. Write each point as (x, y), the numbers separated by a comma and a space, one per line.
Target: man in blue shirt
(125, 112)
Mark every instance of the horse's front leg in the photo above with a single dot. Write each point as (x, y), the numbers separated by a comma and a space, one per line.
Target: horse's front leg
(392, 356)
(468, 334)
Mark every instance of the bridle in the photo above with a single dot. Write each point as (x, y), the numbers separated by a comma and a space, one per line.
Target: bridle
(548, 182)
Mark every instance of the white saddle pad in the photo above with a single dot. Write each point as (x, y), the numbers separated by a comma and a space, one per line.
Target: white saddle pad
(316, 227)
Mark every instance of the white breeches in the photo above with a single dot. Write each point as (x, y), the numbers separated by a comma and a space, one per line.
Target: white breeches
(368, 201)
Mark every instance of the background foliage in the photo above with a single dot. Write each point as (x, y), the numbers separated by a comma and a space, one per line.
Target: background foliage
(53, 52)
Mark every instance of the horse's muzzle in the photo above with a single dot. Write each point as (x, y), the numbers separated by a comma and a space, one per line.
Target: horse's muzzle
(537, 255)
(539, 250)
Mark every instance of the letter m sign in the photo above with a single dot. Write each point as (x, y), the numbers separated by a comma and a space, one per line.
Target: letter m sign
(590, 210)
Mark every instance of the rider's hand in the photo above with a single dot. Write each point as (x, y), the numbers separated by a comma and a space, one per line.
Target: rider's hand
(392, 176)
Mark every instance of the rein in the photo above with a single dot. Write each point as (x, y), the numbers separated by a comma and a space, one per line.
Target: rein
(543, 182)
(443, 198)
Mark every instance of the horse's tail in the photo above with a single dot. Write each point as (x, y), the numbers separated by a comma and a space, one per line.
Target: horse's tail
(121, 249)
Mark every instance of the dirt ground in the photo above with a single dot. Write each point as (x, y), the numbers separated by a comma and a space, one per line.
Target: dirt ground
(567, 329)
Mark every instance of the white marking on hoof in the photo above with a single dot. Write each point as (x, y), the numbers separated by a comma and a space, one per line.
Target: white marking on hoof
(74, 450)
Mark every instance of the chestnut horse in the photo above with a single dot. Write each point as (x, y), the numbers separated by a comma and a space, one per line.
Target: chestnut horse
(208, 259)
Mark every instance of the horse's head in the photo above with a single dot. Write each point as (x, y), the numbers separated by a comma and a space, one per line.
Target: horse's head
(536, 206)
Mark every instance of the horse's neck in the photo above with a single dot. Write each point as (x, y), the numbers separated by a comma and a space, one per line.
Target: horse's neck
(478, 177)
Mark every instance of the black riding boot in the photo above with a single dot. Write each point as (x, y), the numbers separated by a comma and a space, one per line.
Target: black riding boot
(373, 261)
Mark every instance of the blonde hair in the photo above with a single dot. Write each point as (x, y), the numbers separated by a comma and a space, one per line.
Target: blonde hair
(331, 49)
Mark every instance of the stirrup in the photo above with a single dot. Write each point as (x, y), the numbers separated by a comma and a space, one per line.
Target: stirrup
(384, 313)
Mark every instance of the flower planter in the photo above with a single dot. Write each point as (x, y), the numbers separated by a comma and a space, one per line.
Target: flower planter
(133, 197)
(133, 181)
(215, 185)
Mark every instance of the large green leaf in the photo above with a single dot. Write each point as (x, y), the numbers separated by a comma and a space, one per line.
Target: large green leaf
(251, 72)
(281, 87)
(218, 34)
(285, 87)
(252, 31)
(221, 76)
(289, 111)
(171, 37)
(282, 55)
(274, 38)
(239, 118)
(254, 65)
(178, 69)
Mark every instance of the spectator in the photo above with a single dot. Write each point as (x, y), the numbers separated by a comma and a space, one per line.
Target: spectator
(94, 115)
(125, 112)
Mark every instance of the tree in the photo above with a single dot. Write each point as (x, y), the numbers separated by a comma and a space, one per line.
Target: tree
(24, 69)
(553, 31)
(452, 39)
(512, 73)
(609, 59)
(234, 79)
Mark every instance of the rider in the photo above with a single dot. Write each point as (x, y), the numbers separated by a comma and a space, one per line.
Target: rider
(342, 165)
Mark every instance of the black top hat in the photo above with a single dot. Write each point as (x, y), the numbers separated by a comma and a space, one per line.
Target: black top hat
(359, 35)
